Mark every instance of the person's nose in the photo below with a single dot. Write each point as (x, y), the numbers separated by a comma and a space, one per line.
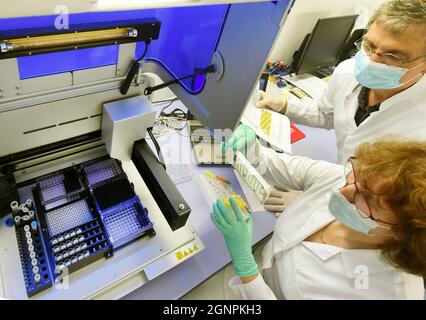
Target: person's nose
(376, 57)
(348, 191)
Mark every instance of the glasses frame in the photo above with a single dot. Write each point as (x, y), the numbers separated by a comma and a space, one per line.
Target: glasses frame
(350, 165)
(402, 62)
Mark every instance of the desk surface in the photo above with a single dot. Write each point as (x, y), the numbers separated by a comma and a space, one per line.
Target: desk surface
(319, 144)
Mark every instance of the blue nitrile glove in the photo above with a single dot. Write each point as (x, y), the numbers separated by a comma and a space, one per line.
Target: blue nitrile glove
(237, 232)
(243, 138)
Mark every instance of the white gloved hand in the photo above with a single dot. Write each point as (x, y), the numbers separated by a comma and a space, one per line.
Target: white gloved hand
(271, 102)
(279, 200)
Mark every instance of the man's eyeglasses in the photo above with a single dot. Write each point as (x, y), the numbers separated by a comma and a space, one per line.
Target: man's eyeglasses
(388, 58)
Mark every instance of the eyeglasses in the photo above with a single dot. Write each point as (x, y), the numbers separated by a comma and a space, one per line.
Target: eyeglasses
(360, 200)
(388, 58)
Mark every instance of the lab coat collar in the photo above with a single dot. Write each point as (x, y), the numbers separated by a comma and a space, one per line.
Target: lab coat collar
(355, 261)
(322, 251)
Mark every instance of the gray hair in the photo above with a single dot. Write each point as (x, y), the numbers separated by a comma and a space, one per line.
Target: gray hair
(398, 15)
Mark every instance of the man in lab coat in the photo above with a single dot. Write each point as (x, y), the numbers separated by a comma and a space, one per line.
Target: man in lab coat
(382, 90)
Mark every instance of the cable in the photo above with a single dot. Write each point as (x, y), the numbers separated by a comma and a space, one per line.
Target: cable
(157, 147)
(133, 71)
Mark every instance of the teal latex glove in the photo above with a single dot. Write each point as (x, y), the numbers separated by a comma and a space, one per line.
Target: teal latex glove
(237, 232)
(243, 138)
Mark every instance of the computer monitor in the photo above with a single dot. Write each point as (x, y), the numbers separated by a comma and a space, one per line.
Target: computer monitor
(323, 46)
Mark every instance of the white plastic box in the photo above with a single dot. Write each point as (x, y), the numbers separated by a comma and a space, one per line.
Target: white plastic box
(124, 122)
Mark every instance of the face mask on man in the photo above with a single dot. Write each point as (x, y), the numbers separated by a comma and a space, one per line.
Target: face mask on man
(347, 213)
(374, 75)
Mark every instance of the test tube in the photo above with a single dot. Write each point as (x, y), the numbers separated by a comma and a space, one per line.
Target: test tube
(26, 217)
(56, 249)
(28, 234)
(86, 254)
(17, 219)
(27, 228)
(31, 214)
(67, 262)
(66, 236)
(58, 257)
(63, 246)
(75, 241)
(54, 241)
(29, 241)
(32, 255)
(25, 210)
(36, 270)
(77, 248)
(69, 244)
(60, 266)
(74, 260)
(81, 238)
(30, 248)
(29, 204)
(37, 277)
(71, 251)
(65, 254)
(78, 231)
(14, 205)
(34, 262)
(72, 234)
(83, 246)
(60, 238)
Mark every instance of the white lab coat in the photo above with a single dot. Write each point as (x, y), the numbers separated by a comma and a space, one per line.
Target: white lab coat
(403, 115)
(297, 269)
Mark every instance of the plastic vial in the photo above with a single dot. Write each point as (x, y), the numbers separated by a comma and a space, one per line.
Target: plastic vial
(14, 205)
(27, 228)
(31, 214)
(58, 257)
(63, 246)
(66, 236)
(81, 238)
(36, 270)
(74, 260)
(54, 241)
(30, 248)
(71, 251)
(37, 277)
(26, 218)
(32, 254)
(29, 241)
(67, 262)
(69, 244)
(28, 234)
(77, 249)
(80, 256)
(34, 262)
(25, 210)
(61, 266)
(60, 238)
(75, 241)
(86, 254)
(29, 204)
(78, 231)
(72, 234)
(83, 246)
(56, 249)
(17, 219)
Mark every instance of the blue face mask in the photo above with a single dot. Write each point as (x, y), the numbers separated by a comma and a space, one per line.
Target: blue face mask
(347, 213)
(375, 75)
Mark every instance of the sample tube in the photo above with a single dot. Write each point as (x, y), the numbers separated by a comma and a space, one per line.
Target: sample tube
(14, 205)
(36, 270)
(29, 204)
(28, 234)
(32, 255)
(27, 228)
(37, 277)
(66, 236)
(34, 262)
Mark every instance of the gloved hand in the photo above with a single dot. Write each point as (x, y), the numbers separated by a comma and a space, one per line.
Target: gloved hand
(237, 233)
(279, 200)
(271, 102)
(242, 139)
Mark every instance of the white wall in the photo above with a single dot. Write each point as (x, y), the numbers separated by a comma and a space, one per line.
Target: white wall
(304, 15)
